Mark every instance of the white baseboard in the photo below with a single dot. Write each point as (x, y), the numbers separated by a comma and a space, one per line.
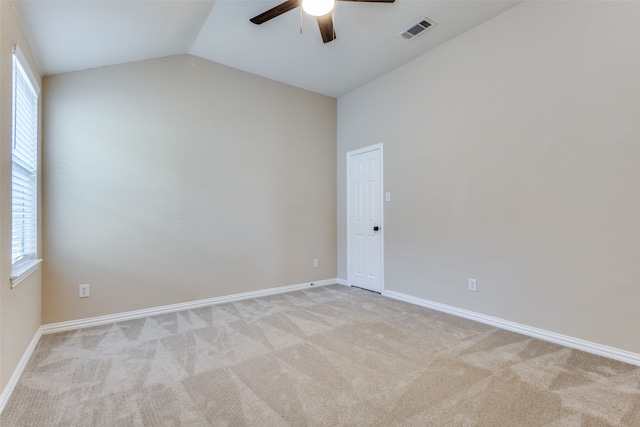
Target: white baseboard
(579, 344)
(342, 282)
(13, 381)
(136, 314)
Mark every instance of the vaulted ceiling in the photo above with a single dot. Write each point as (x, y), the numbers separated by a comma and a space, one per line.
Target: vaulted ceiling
(75, 35)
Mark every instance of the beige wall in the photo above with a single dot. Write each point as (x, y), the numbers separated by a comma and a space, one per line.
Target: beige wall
(512, 154)
(20, 306)
(178, 179)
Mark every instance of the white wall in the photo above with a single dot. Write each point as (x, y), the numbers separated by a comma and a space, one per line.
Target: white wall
(512, 155)
(179, 179)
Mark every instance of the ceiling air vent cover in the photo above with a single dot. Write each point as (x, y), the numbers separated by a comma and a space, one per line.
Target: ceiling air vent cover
(416, 29)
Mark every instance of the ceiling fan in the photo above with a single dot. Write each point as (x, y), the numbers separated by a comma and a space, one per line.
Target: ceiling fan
(321, 9)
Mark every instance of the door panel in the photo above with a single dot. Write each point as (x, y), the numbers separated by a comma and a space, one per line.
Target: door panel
(365, 213)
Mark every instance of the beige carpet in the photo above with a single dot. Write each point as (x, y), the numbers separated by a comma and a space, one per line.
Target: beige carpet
(326, 356)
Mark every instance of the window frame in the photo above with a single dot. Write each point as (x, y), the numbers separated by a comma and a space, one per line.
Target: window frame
(28, 262)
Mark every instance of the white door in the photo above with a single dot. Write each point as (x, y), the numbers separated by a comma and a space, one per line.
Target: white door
(364, 218)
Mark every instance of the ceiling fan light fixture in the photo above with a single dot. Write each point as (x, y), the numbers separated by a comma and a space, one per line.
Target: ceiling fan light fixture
(318, 7)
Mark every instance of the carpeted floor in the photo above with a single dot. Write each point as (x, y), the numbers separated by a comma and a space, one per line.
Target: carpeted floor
(326, 356)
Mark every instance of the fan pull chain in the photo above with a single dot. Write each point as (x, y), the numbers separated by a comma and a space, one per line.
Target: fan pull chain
(301, 20)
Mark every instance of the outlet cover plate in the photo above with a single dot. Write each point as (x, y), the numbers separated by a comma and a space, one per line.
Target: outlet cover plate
(83, 291)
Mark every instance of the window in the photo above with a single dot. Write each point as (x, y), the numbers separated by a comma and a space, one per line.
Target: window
(24, 170)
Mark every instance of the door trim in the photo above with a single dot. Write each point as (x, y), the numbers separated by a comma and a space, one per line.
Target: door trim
(350, 154)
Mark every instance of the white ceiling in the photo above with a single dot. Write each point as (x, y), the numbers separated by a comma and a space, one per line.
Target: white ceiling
(75, 35)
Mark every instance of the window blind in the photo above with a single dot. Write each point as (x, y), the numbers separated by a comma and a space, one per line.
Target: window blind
(24, 171)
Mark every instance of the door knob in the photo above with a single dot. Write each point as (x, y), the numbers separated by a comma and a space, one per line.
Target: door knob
(376, 228)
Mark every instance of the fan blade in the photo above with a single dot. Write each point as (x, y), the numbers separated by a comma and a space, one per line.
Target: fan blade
(372, 1)
(275, 11)
(325, 23)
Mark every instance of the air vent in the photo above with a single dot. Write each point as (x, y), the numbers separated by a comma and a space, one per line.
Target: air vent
(416, 29)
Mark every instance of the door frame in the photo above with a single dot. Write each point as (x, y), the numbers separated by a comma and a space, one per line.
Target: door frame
(350, 154)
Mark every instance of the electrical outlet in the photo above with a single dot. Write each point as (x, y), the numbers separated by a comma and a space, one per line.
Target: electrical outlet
(83, 291)
(316, 263)
(472, 285)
